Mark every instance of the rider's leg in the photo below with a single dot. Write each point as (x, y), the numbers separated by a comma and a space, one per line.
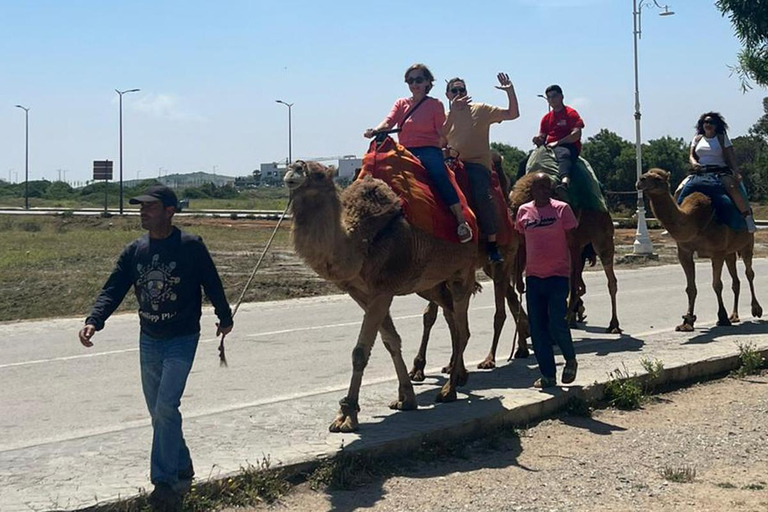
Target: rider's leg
(484, 205)
(565, 155)
(432, 160)
(739, 199)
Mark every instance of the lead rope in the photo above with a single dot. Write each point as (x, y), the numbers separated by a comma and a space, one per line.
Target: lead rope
(222, 354)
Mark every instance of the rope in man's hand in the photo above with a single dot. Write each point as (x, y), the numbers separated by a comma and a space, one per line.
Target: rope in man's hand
(225, 331)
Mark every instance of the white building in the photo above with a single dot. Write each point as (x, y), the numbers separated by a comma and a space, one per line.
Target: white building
(347, 167)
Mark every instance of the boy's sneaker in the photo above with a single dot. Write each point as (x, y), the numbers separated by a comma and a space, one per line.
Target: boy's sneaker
(464, 232)
(165, 499)
(569, 372)
(544, 383)
(751, 226)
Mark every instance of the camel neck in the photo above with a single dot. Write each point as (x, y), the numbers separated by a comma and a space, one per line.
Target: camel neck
(669, 213)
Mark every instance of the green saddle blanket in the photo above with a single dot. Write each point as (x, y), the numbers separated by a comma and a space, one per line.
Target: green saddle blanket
(584, 190)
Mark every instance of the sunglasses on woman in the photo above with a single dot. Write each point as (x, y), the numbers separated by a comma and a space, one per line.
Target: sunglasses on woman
(415, 80)
(458, 90)
(709, 121)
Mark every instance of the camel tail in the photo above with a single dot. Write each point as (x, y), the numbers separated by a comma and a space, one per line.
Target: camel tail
(589, 254)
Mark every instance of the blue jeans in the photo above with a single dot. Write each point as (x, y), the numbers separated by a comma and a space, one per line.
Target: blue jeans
(165, 366)
(432, 160)
(546, 298)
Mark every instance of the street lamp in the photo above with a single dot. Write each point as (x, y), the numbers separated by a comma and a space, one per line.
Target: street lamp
(26, 156)
(289, 105)
(642, 243)
(120, 93)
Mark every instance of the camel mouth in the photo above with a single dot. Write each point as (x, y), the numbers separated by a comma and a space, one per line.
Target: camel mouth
(293, 182)
(296, 176)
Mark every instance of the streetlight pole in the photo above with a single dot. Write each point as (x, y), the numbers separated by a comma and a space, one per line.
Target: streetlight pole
(120, 93)
(289, 105)
(26, 156)
(642, 244)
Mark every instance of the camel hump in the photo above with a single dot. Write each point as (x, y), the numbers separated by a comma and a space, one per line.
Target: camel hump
(368, 205)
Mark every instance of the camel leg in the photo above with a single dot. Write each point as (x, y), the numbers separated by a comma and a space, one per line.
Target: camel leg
(375, 311)
(461, 294)
(730, 263)
(689, 267)
(406, 399)
(613, 288)
(717, 285)
(523, 328)
(420, 361)
(500, 287)
(577, 267)
(746, 256)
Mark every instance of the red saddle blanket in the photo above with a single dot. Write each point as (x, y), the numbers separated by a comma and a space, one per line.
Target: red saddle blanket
(504, 223)
(422, 207)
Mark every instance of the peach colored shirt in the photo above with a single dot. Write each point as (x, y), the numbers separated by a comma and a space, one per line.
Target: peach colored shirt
(423, 127)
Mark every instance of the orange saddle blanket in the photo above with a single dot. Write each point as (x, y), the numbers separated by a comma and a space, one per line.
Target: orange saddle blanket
(504, 222)
(422, 207)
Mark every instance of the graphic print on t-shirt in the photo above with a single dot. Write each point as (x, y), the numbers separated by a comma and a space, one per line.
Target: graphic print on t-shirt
(540, 223)
(156, 283)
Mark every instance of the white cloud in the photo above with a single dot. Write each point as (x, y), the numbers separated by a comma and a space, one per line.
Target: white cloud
(166, 106)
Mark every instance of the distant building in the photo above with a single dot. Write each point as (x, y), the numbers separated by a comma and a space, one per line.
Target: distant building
(272, 174)
(182, 181)
(347, 167)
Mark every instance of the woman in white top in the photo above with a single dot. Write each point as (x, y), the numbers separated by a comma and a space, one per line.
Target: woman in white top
(712, 151)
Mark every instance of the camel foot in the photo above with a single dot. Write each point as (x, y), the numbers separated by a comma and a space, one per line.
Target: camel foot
(522, 353)
(346, 418)
(417, 375)
(734, 318)
(489, 363)
(446, 394)
(580, 316)
(684, 328)
(723, 322)
(614, 328)
(447, 369)
(757, 311)
(462, 379)
(408, 404)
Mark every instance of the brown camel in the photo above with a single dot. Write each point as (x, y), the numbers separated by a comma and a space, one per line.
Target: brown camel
(359, 240)
(595, 228)
(696, 230)
(501, 275)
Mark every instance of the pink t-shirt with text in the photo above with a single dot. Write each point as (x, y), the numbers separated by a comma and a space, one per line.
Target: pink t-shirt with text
(546, 244)
(423, 127)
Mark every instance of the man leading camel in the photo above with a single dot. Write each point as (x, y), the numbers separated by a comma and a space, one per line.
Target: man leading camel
(560, 130)
(467, 129)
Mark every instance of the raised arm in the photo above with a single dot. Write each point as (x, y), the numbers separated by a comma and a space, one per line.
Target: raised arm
(513, 109)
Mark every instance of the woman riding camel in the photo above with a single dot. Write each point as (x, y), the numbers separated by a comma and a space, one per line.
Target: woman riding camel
(420, 119)
(712, 152)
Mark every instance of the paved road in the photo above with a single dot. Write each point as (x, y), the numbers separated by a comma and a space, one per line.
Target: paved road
(74, 428)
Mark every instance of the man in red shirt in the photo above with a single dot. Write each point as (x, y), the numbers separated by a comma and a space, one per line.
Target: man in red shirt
(561, 131)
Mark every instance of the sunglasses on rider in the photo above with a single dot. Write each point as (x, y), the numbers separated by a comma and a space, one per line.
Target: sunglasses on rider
(709, 121)
(458, 90)
(415, 80)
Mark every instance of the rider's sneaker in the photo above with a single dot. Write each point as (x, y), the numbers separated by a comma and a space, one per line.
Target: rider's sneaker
(464, 232)
(751, 226)
(494, 256)
(561, 192)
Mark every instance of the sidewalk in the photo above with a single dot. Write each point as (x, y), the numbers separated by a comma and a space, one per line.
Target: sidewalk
(78, 472)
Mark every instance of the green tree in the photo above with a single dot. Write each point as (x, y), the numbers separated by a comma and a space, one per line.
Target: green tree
(750, 21)
(667, 153)
(512, 158)
(607, 153)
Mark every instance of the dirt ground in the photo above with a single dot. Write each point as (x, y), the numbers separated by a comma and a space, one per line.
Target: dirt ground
(610, 462)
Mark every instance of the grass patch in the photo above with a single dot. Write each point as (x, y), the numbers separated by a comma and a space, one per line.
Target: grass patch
(680, 475)
(654, 368)
(252, 486)
(726, 485)
(759, 486)
(577, 406)
(623, 391)
(751, 361)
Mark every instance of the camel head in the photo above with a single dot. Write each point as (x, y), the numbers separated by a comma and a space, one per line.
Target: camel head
(654, 181)
(309, 174)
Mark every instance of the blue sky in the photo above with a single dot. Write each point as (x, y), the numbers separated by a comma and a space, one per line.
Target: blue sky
(210, 73)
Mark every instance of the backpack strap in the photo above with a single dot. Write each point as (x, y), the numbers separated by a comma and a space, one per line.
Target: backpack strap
(412, 110)
(696, 141)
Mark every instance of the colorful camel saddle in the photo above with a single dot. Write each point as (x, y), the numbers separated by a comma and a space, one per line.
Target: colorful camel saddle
(504, 224)
(422, 207)
(584, 191)
(710, 185)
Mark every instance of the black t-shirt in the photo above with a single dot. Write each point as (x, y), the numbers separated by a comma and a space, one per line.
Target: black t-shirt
(167, 276)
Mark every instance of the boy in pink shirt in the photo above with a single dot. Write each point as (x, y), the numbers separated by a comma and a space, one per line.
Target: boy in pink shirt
(544, 223)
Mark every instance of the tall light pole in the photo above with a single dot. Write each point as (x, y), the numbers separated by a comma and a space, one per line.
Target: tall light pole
(120, 93)
(642, 243)
(26, 156)
(289, 105)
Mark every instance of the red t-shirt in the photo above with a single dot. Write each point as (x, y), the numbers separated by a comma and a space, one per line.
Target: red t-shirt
(558, 125)
(546, 246)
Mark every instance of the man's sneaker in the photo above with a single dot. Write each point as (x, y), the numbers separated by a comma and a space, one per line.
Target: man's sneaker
(751, 227)
(544, 383)
(494, 256)
(185, 480)
(164, 498)
(464, 232)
